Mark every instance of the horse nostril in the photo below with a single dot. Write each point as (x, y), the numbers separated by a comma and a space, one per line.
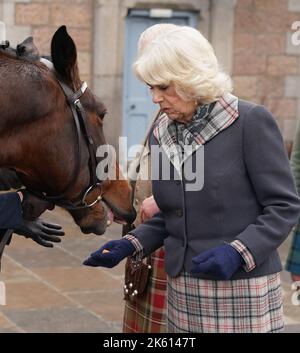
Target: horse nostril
(130, 217)
(97, 229)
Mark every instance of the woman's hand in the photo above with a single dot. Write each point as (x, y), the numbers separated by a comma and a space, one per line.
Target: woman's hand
(221, 262)
(148, 209)
(295, 278)
(110, 254)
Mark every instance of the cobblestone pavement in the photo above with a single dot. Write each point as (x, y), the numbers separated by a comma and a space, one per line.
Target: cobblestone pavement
(49, 290)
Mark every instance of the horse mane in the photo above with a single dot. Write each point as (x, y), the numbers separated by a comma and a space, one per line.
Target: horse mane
(9, 53)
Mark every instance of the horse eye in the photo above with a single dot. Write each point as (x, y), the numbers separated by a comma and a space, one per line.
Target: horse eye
(102, 115)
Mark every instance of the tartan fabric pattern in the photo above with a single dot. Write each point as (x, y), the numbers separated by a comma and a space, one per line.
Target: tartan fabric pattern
(138, 246)
(187, 132)
(242, 306)
(207, 122)
(148, 313)
(293, 259)
(246, 255)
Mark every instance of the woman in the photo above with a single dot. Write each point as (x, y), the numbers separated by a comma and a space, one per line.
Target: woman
(147, 313)
(221, 229)
(293, 260)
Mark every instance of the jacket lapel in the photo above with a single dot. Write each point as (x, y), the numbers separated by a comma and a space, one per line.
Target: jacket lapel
(224, 113)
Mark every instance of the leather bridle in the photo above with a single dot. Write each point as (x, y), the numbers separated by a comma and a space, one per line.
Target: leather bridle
(81, 128)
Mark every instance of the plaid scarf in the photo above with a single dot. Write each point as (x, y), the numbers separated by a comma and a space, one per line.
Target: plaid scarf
(180, 141)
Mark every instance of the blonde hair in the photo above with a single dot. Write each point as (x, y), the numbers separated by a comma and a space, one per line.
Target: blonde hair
(152, 32)
(183, 56)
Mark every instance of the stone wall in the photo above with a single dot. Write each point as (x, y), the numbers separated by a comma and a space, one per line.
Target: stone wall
(252, 39)
(41, 18)
(109, 19)
(266, 65)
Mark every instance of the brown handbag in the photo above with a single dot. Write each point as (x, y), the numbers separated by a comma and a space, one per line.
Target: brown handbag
(137, 274)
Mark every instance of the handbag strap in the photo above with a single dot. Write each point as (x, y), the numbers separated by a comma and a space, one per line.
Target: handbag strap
(127, 228)
(146, 138)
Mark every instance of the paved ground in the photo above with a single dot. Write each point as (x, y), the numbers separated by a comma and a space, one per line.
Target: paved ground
(48, 290)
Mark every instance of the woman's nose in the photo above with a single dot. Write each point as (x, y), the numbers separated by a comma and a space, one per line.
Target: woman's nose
(157, 97)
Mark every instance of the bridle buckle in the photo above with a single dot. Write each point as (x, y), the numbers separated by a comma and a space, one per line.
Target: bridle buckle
(98, 199)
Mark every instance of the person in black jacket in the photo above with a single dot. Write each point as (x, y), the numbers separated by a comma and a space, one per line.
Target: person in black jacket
(41, 232)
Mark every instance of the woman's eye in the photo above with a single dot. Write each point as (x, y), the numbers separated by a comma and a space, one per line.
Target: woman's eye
(162, 87)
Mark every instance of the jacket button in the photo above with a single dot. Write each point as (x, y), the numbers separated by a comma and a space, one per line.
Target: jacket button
(179, 212)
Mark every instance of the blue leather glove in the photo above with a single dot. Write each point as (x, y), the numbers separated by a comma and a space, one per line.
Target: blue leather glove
(117, 251)
(221, 262)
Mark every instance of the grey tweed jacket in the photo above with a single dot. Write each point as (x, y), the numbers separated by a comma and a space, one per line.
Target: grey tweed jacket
(248, 194)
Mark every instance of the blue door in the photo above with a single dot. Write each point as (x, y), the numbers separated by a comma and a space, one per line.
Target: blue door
(138, 109)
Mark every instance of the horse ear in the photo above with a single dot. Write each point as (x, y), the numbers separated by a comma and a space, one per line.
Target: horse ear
(27, 50)
(64, 55)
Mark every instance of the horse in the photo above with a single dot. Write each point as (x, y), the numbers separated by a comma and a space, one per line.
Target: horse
(50, 127)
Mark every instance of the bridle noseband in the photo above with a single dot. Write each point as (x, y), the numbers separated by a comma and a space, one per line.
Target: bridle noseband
(80, 120)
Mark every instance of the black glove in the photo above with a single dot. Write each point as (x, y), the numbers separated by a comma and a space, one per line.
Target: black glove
(32, 206)
(41, 232)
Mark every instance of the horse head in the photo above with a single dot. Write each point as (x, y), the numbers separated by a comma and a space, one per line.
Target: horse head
(50, 128)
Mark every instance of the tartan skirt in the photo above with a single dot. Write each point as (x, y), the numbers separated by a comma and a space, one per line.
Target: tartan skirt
(240, 306)
(148, 313)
